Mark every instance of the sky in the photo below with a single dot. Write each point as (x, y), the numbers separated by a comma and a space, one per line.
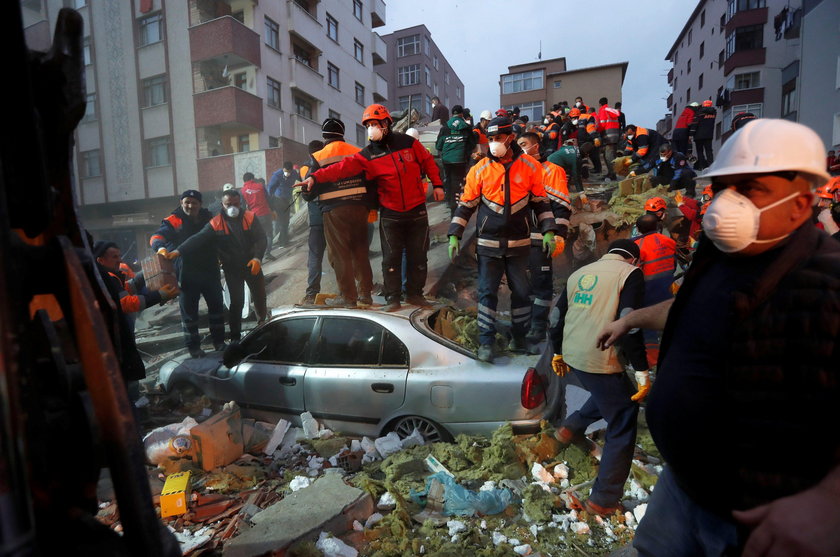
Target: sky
(588, 34)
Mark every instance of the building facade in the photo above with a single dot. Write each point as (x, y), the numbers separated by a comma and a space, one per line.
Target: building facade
(749, 56)
(417, 70)
(191, 94)
(536, 86)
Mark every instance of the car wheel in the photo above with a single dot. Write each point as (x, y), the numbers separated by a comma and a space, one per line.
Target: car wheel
(430, 431)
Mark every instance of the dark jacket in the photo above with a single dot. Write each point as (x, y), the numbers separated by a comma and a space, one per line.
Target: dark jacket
(705, 123)
(280, 185)
(238, 240)
(670, 171)
(125, 348)
(782, 373)
(456, 141)
(440, 113)
(352, 190)
(174, 231)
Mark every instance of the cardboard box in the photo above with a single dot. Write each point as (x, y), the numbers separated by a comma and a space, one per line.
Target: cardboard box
(175, 493)
(158, 271)
(218, 440)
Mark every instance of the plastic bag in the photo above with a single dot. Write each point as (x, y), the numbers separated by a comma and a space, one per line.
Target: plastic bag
(460, 501)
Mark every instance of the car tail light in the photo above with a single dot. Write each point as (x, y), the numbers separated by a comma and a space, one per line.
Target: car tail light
(533, 389)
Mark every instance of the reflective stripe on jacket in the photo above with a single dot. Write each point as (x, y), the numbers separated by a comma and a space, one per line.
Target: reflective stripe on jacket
(657, 255)
(353, 190)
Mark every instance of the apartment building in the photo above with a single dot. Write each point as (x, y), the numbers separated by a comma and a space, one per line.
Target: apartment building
(750, 56)
(536, 86)
(417, 71)
(191, 94)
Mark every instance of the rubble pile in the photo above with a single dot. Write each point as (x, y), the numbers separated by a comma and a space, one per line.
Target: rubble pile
(310, 491)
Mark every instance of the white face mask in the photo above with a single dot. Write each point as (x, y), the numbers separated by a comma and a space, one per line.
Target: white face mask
(374, 133)
(498, 149)
(286, 173)
(545, 121)
(574, 121)
(732, 221)
(577, 104)
(663, 159)
(630, 136)
(232, 211)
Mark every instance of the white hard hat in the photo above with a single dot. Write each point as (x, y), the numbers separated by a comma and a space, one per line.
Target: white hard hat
(227, 187)
(413, 133)
(771, 145)
(486, 115)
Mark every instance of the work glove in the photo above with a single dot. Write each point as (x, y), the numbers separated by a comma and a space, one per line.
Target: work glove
(168, 291)
(163, 252)
(174, 254)
(597, 141)
(454, 248)
(560, 367)
(678, 198)
(548, 244)
(559, 246)
(643, 382)
(372, 216)
(255, 266)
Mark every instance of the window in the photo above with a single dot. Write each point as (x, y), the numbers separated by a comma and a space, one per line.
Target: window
(332, 76)
(285, 341)
(358, 51)
(360, 93)
(755, 108)
(409, 75)
(534, 110)
(332, 28)
(90, 164)
(150, 29)
(721, 58)
(722, 22)
(244, 143)
(689, 36)
(436, 62)
(357, 342)
(357, 9)
(272, 34)
(750, 80)
(90, 108)
(688, 95)
(361, 135)
(333, 114)
(86, 51)
(406, 46)
(428, 105)
(154, 91)
(427, 46)
(435, 89)
(446, 76)
(273, 141)
(303, 55)
(718, 128)
(558, 83)
(78, 4)
(837, 77)
(239, 16)
(415, 101)
(688, 67)
(458, 93)
(428, 76)
(748, 37)
(736, 6)
(303, 107)
(272, 96)
(157, 152)
(702, 18)
(789, 98)
(525, 81)
(700, 82)
(702, 48)
(240, 80)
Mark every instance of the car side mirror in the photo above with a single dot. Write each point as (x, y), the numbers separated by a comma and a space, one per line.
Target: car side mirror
(233, 354)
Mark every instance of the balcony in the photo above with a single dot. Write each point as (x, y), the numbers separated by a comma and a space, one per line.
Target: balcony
(380, 88)
(379, 50)
(757, 16)
(670, 100)
(304, 78)
(377, 13)
(747, 96)
(670, 76)
(225, 37)
(228, 107)
(304, 24)
(752, 57)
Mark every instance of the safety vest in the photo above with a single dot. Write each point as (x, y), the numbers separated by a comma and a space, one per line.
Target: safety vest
(608, 119)
(657, 255)
(220, 225)
(352, 190)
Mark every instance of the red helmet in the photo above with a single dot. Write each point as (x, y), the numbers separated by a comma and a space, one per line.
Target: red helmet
(376, 112)
(707, 102)
(655, 204)
(574, 113)
(502, 113)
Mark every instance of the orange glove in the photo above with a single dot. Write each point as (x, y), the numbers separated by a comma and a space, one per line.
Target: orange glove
(643, 381)
(372, 216)
(163, 252)
(559, 246)
(255, 266)
(174, 254)
(678, 198)
(597, 142)
(560, 367)
(168, 291)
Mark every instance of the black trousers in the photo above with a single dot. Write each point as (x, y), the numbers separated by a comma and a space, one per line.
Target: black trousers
(193, 287)
(236, 280)
(705, 157)
(407, 231)
(453, 181)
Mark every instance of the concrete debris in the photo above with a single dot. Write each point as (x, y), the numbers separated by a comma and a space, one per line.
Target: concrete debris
(299, 482)
(277, 436)
(540, 474)
(310, 425)
(387, 502)
(639, 512)
(389, 444)
(524, 549)
(334, 547)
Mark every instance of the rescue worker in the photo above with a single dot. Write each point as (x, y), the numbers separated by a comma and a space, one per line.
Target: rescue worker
(256, 197)
(657, 206)
(568, 157)
(280, 187)
(481, 137)
(825, 195)
(622, 119)
(550, 135)
(455, 143)
(345, 204)
(589, 140)
(396, 163)
(503, 188)
(539, 262)
(608, 125)
(742, 119)
(595, 295)
(680, 136)
(642, 144)
(705, 132)
(440, 113)
(671, 169)
(198, 273)
(316, 241)
(580, 105)
(241, 242)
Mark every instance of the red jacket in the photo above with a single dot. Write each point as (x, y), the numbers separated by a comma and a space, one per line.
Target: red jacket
(608, 118)
(255, 196)
(396, 165)
(686, 118)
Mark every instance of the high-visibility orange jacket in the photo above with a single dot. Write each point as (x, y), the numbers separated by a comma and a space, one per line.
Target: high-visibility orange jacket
(238, 240)
(504, 195)
(557, 191)
(133, 303)
(352, 190)
(658, 255)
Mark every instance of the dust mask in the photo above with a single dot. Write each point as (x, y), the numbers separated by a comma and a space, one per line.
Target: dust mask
(732, 221)
(232, 211)
(374, 133)
(630, 136)
(545, 121)
(498, 149)
(574, 121)
(286, 173)
(663, 159)
(577, 104)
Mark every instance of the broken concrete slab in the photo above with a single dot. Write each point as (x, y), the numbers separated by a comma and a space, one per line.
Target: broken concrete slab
(329, 505)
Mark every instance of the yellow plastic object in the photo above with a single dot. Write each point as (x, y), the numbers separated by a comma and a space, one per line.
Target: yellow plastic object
(173, 498)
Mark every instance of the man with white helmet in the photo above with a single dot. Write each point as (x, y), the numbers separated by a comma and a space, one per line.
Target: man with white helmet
(748, 364)
(480, 131)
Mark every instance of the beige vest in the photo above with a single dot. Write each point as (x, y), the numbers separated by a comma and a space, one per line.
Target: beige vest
(593, 293)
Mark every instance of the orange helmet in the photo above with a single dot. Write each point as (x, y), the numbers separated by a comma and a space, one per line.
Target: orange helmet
(825, 192)
(705, 208)
(707, 102)
(655, 204)
(376, 112)
(707, 194)
(574, 113)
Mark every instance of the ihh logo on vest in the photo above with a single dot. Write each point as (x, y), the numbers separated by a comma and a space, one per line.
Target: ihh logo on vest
(586, 283)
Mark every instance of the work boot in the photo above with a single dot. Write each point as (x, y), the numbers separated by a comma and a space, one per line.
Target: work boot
(308, 300)
(418, 300)
(219, 346)
(393, 305)
(365, 300)
(567, 437)
(595, 508)
(341, 302)
(517, 345)
(485, 353)
(197, 353)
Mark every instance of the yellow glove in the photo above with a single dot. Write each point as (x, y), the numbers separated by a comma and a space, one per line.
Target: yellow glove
(559, 246)
(632, 173)
(255, 266)
(560, 367)
(597, 142)
(372, 216)
(168, 291)
(643, 381)
(174, 254)
(163, 252)
(678, 198)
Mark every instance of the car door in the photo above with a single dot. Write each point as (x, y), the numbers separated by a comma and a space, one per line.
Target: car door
(275, 367)
(358, 372)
